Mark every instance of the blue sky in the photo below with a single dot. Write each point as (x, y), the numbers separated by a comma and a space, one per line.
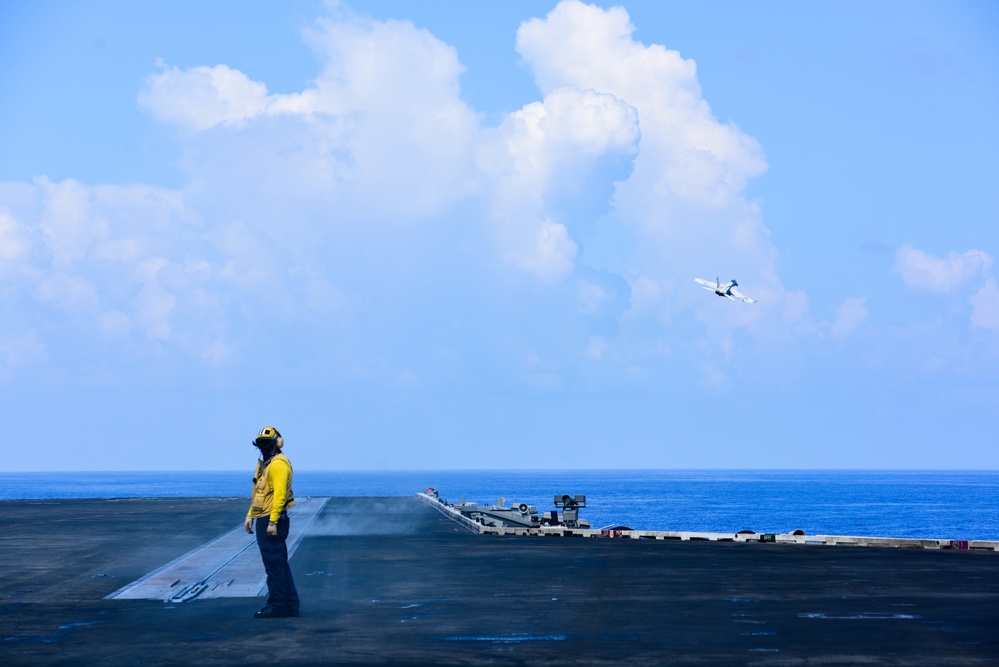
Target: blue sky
(464, 235)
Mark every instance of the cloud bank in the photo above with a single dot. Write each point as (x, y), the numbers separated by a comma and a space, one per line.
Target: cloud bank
(374, 209)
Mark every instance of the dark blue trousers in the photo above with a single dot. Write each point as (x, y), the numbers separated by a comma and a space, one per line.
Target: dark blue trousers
(281, 591)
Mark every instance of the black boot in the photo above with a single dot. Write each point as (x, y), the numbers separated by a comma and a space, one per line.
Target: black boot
(270, 612)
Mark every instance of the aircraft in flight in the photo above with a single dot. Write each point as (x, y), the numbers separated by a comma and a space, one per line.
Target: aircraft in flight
(728, 290)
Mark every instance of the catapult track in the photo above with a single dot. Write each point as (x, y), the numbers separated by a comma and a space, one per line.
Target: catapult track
(777, 538)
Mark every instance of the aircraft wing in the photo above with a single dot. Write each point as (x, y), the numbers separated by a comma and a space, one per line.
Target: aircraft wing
(739, 295)
(706, 283)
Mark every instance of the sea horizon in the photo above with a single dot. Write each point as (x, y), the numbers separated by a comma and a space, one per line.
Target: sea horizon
(932, 504)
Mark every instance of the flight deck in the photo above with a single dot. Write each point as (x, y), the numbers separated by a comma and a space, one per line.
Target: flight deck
(395, 581)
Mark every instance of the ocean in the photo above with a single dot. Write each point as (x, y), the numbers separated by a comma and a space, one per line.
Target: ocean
(929, 504)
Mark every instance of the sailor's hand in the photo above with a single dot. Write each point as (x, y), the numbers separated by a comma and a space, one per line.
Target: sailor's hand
(248, 524)
(271, 529)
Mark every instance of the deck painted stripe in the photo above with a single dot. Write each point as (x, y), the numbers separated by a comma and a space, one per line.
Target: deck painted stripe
(228, 566)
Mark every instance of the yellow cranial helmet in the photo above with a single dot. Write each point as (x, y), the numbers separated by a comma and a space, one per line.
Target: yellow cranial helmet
(269, 437)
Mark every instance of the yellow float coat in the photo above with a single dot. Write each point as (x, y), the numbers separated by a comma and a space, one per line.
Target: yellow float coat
(272, 492)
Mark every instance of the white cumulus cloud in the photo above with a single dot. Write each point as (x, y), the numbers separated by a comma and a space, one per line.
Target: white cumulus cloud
(849, 316)
(554, 143)
(986, 306)
(690, 154)
(922, 270)
(204, 97)
(685, 191)
(545, 155)
(15, 242)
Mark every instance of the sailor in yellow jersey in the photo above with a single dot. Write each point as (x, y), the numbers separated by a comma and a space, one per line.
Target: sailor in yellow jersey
(272, 496)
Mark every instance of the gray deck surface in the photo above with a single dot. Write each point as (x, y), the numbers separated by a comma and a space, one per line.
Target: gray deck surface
(391, 581)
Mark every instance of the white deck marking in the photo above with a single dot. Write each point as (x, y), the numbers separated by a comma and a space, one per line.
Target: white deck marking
(227, 567)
